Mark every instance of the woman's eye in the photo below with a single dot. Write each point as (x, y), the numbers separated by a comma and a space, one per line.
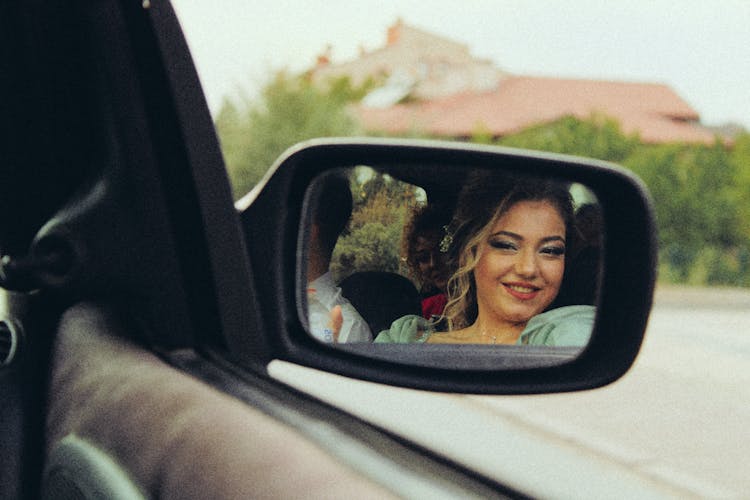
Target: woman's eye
(503, 245)
(555, 251)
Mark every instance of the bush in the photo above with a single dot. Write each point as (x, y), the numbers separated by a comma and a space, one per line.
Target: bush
(700, 192)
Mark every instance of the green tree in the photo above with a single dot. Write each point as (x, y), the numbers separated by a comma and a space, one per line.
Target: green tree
(598, 137)
(696, 210)
(290, 109)
(373, 239)
(739, 157)
(232, 127)
(372, 246)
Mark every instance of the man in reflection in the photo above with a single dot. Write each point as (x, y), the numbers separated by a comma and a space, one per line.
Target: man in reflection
(331, 316)
(426, 262)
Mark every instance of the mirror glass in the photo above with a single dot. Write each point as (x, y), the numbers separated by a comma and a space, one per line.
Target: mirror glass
(430, 264)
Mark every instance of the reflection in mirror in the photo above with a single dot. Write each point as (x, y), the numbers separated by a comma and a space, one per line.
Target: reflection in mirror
(476, 257)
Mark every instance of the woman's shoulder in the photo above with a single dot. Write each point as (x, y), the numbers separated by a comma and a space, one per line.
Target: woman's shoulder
(571, 313)
(405, 330)
(563, 326)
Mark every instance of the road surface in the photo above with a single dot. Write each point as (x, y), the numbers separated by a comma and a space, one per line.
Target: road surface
(679, 421)
(682, 413)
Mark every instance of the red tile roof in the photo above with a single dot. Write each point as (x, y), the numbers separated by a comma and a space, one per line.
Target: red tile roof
(654, 111)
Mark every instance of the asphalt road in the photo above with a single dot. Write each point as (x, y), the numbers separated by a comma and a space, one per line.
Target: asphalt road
(678, 421)
(682, 413)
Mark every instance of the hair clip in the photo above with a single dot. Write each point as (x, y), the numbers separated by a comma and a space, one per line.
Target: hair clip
(445, 243)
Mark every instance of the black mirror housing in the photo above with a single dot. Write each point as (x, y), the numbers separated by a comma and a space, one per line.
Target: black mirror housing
(273, 216)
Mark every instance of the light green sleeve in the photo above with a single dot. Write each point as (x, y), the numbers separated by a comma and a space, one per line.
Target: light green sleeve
(564, 326)
(406, 330)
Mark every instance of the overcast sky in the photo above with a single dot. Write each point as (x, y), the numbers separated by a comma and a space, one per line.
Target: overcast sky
(700, 48)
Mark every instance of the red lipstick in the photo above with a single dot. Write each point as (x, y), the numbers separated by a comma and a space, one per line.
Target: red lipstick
(522, 291)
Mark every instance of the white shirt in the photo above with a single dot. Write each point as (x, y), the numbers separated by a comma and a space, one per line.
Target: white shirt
(322, 296)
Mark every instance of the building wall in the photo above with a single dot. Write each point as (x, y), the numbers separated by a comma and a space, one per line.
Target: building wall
(436, 65)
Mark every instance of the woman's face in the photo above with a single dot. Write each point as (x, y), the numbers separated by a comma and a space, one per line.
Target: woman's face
(430, 261)
(521, 264)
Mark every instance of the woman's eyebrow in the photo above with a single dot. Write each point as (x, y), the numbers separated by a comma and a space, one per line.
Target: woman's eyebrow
(519, 237)
(507, 233)
(553, 238)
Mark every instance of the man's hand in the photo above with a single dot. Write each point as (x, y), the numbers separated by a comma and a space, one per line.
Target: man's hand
(335, 320)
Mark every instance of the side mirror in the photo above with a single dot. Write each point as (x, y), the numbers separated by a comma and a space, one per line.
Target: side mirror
(547, 265)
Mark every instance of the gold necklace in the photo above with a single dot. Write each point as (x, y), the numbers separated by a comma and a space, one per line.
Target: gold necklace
(485, 336)
(491, 338)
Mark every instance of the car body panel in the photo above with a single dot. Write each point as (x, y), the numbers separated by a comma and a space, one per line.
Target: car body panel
(506, 446)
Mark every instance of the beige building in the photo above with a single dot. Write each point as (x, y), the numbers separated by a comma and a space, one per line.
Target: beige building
(433, 85)
(416, 63)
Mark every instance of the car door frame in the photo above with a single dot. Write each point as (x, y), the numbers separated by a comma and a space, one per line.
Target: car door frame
(204, 301)
(159, 121)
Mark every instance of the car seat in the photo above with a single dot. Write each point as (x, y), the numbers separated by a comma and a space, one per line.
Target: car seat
(381, 297)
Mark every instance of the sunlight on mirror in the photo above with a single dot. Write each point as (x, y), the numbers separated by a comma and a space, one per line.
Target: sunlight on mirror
(460, 256)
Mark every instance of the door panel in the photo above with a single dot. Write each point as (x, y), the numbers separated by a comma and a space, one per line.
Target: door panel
(173, 435)
(77, 469)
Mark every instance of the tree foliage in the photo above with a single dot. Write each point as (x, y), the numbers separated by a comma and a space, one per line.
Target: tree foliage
(290, 109)
(373, 240)
(696, 212)
(739, 158)
(598, 137)
(700, 192)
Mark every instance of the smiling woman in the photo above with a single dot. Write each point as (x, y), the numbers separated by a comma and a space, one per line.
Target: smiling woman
(507, 248)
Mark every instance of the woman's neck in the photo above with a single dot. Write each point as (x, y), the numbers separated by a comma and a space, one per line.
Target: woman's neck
(489, 332)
